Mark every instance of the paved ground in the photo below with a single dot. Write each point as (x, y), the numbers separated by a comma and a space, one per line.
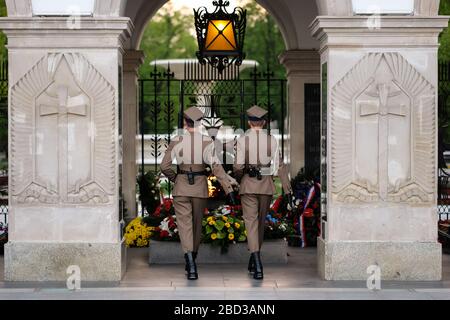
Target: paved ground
(297, 280)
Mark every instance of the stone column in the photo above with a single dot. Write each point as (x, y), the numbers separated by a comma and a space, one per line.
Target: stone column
(303, 67)
(381, 142)
(64, 148)
(131, 63)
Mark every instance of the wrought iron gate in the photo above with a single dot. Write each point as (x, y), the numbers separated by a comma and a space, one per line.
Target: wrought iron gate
(163, 98)
(312, 129)
(3, 146)
(444, 141)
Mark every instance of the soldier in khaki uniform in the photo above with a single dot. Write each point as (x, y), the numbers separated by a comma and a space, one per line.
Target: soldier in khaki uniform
(257, 159)
(193, 153)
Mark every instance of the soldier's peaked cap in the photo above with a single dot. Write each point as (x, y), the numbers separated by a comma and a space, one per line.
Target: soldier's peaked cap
(194, 114)
(256, 113)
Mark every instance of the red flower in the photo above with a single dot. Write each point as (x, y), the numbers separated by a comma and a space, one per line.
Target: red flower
(157, 212)
(167, 204)
(235, 210)
(172, 224)
(164, 234)
(308, 213)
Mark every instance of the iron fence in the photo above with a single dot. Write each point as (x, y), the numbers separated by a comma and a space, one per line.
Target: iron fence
(3, 146)
(444, 139)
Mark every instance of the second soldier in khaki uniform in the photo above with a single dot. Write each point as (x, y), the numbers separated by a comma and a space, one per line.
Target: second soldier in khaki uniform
(193, 153)
(257, 158)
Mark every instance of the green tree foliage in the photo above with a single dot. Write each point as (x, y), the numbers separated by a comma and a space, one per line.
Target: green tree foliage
(264, 42)
(168, 36)
(444, 50)
(3, 13)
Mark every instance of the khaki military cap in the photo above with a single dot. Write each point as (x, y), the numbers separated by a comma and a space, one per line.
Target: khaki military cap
(194, 114)
(256, 113)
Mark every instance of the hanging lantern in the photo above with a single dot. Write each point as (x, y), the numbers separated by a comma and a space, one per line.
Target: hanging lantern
(220, 35)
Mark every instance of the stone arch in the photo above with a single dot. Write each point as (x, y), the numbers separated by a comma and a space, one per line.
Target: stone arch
(295, 30)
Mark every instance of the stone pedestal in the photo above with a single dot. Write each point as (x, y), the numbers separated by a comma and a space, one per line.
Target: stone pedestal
(379, 151)
(64, 148)
(398, 261)
(132, 60)
(303, 67)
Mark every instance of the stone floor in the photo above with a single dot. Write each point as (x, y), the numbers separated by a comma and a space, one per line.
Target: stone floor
(297, 280)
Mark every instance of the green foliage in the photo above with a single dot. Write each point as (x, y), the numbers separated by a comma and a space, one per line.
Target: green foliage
(3, 13)
(444, 40)
(167, 36)
(264, 42)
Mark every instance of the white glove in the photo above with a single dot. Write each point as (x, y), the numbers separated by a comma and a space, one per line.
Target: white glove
(232, 181)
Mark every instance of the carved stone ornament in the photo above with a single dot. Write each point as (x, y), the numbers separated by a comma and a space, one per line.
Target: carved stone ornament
(63, 147)
(383, 133)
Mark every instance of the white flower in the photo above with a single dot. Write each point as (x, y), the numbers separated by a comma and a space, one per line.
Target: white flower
(297, 203)
(289, 207)
(164, 226)
(175, 231)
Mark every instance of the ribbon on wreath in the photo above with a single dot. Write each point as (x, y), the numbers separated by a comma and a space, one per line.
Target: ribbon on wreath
(307, 213)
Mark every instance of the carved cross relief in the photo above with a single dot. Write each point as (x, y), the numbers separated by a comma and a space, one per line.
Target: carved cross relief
(66, 153)
(384, 91)
(56, 102)
(378, 151)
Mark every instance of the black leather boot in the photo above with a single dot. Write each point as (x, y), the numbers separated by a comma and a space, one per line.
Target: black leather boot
(251, 264)
(191, 267)
(259, 274)
(194, 254)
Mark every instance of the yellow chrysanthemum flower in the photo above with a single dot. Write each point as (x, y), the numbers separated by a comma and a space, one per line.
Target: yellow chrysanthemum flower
(231, 236)
(225, 218)
(227, 225)
(214, 236)
(210, 219)
(237, 225)
(212, 222)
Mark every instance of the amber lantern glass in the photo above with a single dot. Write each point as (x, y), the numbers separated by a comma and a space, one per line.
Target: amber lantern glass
(220, 36)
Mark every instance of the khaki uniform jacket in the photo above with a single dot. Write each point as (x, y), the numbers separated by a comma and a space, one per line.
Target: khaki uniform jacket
(258, 149)
(193, 152)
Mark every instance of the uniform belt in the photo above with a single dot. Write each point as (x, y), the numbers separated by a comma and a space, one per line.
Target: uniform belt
(191, 175)
(195, 174)
(255, 172)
